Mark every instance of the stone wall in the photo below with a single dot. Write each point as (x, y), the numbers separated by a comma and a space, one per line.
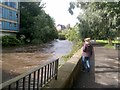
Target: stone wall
(67, 73)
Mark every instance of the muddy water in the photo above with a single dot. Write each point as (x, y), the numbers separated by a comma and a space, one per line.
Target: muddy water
(19, 59)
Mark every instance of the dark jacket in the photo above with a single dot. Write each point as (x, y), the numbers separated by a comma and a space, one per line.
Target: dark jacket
(87, 50)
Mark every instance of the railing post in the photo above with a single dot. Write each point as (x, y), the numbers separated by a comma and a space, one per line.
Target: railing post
(41, 83)
(50, 70)
(45, 75)
(29, 79)
(53, 69)
(56, 68)
(48, 73)
(9, 87)
(17, 85)
(38, 79)
(34, 77)
(24, 83)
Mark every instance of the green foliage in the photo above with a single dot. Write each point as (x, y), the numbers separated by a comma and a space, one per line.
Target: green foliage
(106, 45)
(10, 41)
(101, 41)
(44, 28)
(37, 26)
(74, 36)
(71, 34)
(75, 48)
(100, 20)
(36, 41)
(61, 36)
(105, 41)
(84, 30)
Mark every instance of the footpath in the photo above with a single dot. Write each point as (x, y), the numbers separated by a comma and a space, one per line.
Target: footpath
(104, 72)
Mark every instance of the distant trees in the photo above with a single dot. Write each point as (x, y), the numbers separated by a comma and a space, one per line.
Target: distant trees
(100, 20)
(72, 34)
(35, 24)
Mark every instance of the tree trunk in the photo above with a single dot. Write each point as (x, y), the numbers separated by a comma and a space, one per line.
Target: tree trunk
(109, 41)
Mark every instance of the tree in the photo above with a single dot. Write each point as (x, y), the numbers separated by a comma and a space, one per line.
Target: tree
(28, 10)
(101, 18)
(44, 28)
(35, 24)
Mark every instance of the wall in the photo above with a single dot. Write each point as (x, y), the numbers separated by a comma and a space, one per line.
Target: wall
(67, 73)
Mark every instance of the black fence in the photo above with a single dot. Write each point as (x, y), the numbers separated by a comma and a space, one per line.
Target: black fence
(33, 79)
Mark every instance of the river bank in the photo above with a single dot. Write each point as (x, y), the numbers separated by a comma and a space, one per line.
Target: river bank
(17, 60)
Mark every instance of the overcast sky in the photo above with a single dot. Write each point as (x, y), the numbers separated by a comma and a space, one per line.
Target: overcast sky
(58, 9)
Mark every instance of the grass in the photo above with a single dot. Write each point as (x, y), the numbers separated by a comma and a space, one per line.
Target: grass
(106, 45)
(101, 41)
(106, 41)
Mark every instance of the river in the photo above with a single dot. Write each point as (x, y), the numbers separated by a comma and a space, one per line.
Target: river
(17, 60)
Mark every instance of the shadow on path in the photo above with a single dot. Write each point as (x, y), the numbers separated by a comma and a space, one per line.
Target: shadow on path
(103, 74)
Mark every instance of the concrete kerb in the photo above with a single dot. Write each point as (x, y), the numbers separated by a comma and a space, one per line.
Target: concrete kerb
(67, 73)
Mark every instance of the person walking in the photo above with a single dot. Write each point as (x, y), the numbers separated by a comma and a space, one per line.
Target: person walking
(87, 52)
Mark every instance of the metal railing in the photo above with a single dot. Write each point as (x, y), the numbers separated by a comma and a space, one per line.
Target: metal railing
(33, 79)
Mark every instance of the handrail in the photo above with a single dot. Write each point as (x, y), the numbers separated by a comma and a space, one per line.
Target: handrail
(48, 70)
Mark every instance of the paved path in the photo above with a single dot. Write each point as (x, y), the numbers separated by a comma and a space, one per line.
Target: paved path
(104, 71)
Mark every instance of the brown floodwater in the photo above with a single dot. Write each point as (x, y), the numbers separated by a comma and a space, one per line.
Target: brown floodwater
(17, 60)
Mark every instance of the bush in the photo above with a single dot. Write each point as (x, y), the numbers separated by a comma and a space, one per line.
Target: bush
(37, 41)
(77, 45)
(10, 41)
(61, 36)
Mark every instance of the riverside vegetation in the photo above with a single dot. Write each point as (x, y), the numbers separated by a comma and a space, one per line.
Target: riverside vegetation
(36, 26)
